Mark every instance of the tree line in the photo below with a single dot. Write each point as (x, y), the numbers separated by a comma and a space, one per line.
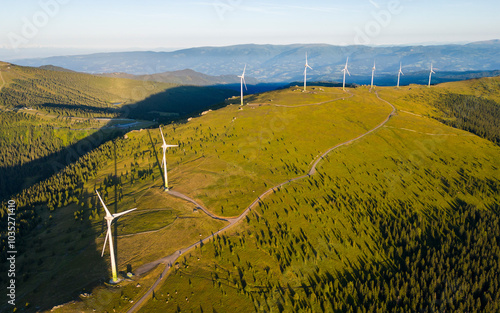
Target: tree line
(477, 115)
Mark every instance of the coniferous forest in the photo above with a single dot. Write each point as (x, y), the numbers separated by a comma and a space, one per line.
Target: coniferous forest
(474, 114)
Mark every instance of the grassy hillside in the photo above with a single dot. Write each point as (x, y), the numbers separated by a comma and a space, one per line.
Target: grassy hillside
(374, 224)
(375, 211)
(51, 118)
(83, 95)
(34, 87)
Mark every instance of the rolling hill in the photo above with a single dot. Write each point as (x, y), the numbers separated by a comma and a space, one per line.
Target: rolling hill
(51, 117)
(350, 200)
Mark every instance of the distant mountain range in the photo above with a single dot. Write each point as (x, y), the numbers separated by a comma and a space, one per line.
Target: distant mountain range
(282, 63)
(185, 77)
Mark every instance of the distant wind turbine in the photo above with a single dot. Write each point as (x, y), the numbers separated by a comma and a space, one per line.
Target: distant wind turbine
(400, 72)
(109, 219)
(165, 147)
(243, 83)
(430, 75)
(373, 73)
(345, 70)
(305, 73)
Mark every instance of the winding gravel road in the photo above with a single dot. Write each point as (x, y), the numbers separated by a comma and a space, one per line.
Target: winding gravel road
(170, 260)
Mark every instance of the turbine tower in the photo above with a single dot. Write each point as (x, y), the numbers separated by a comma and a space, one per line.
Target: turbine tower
(165, 147)
(430, 76)
(373, 74)
(345, 70)
(400, 72)
(305, 73)
(109, 219)
(243, 83)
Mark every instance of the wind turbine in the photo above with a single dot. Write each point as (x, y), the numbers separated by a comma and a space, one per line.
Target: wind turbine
(400, 72)
(165, 147)
(430, 75)
(305, 73)
(109, 219)
(345, 70)
(373, 73)
(242, 82)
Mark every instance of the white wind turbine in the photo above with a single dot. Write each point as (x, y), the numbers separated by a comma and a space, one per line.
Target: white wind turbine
(373, 73)
(243, 83)
(165, 147)
(430, 75)
(400, 72)
(109, 219)
(305, 73)
(345, 70)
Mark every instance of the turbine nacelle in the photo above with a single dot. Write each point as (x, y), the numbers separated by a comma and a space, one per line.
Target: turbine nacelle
(243, 82)
(345, 70)
(307, 64)
(110, 217)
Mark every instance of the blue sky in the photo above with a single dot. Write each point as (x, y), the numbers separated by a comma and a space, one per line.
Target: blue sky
(111, 25)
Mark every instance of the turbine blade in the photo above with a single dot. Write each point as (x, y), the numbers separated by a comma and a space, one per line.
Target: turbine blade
(309, 67)
(104, 205)
(162, 137)
(123, 213)
(244, 82)
(348, 72)
(105, 241)
(171, 146)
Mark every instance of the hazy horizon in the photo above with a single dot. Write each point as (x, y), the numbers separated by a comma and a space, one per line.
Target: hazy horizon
(46, 52)
(64, 27)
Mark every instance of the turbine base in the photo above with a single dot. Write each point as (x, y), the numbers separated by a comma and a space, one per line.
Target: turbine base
(114, 282)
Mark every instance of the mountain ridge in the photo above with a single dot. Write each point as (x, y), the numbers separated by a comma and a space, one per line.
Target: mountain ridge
(273, 63)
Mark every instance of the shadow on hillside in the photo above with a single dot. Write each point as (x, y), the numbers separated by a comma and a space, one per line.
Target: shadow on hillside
(59, 260)
(73, 209)
(55, 108)
(176, 103)
(14, 179)
(166, 107)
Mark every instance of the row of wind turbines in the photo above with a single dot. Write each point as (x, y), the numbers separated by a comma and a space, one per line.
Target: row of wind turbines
(345, 71)
(112, 217)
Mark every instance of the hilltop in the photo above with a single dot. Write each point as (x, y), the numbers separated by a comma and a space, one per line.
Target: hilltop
(366, 208)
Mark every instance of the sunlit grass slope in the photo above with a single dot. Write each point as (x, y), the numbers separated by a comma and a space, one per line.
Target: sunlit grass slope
(225, 160)
(308, 244)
